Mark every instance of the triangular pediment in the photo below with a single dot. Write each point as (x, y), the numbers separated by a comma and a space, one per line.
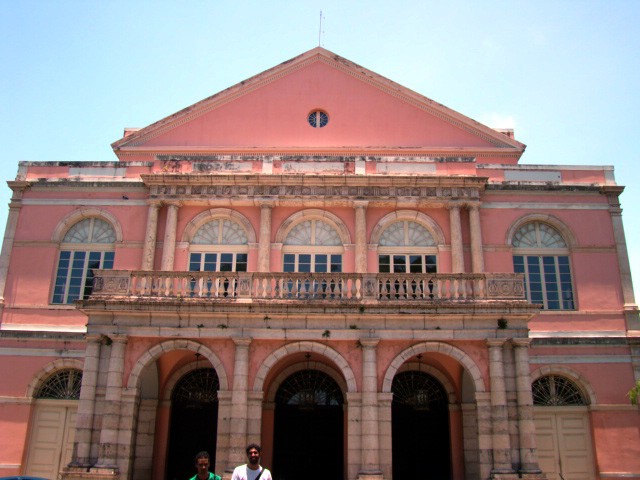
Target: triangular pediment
(269, 113)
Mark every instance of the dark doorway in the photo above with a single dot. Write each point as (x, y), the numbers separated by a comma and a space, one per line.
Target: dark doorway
(309, 428)
(194, 422)
(420, 427)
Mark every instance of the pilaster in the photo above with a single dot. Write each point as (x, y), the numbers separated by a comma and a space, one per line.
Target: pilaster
(150, 237)
(457, 257)
(264, 241)
(169, 245)
(370, 463)
(239, 405)
(361, 236)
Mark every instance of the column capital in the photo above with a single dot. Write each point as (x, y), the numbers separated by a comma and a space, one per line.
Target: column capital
(454, 205)
(265, 202)
(242, 341)
(369, 342)
(474, 205)
(118, 338)
(173, 203)
(154, 203)
(495, 342)
(521, 342)
(94, 337)
(360, 203)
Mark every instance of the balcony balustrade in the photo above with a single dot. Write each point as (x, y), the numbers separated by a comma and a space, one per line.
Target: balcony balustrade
(353, 287)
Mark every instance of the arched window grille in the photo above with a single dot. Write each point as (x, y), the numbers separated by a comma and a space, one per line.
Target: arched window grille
(197, 387)
(541, 253)
(418, 390)
(309, 389)
(554, 390)
(62, 385)
(87, 245)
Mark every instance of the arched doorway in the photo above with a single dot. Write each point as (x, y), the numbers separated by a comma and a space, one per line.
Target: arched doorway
(194, 421)
(308, 428)
(421, 445)
(563, 431)
(53, 424)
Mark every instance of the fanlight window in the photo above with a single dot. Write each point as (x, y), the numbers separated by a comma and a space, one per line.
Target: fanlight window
(407, 247)
(418, 390)
(313, 233)
(309, 388)
(540, 252)
(220, 245)
(220, 232)
(312, 246)
(87, 245)
(406, 234)
(62, 385)
(553, 390)
(538, 235)
(197, 387)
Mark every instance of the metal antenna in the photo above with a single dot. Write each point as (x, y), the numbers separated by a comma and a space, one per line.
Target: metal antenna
(320, 32)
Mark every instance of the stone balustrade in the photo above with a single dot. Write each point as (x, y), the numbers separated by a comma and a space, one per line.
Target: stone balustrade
(382, 287)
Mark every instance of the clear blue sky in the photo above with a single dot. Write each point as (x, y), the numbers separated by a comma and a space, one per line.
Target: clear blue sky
(564, 74)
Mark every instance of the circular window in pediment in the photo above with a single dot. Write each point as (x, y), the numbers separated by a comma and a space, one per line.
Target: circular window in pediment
(318, 119)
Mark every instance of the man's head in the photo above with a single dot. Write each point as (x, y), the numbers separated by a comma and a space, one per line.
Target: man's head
(253, 455)
(202, 463)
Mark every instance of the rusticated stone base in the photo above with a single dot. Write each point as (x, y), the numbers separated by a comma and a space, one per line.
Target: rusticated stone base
(92, 473)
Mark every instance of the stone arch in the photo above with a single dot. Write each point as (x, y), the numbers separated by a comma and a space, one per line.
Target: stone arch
(308, 214)
(80, 214)
(50, 368)
(158, 350)
(307, 346)
(434, 372)
(282, 376)
(434, 347)
(563, 371)
(413, 215)
(196, 222)
(555, 222)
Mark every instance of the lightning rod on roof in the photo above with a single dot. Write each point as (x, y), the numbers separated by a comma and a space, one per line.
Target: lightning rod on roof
(320, 32)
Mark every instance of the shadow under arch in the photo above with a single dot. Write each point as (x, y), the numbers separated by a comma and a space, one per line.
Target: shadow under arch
(434, 347)
(160, 349)
(304, 346)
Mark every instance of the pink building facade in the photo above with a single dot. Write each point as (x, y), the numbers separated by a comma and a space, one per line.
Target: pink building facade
(365, 282)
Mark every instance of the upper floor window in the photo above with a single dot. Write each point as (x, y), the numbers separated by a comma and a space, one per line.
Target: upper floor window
(220, 245)
(62, 385)
(87, 245)
(541, 253)
(407, 247)
(312, 246)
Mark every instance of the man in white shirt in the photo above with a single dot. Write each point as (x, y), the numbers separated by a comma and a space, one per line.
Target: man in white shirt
(252, 470)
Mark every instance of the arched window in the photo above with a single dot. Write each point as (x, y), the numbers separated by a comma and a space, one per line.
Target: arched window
(220, 245)
(62, 385)
(407, 247)
(312, 246)
(541, 253)
(87, 245)
(554, 390)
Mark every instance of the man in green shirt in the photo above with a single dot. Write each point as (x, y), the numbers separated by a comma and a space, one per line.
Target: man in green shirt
(202, 465)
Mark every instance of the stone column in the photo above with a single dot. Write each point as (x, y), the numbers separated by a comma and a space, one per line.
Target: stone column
(222, 440)
(239, 404)
(630, 307)
(485, 434)
(86, 405)
(477, 255)
(385, 433)
(169, 246)
(150, 237)
(361, 236)
(113, 396)
(457, 257)
(370, 460)
(501, 444)
(264, 241)
(9, 233)
(526, 426)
